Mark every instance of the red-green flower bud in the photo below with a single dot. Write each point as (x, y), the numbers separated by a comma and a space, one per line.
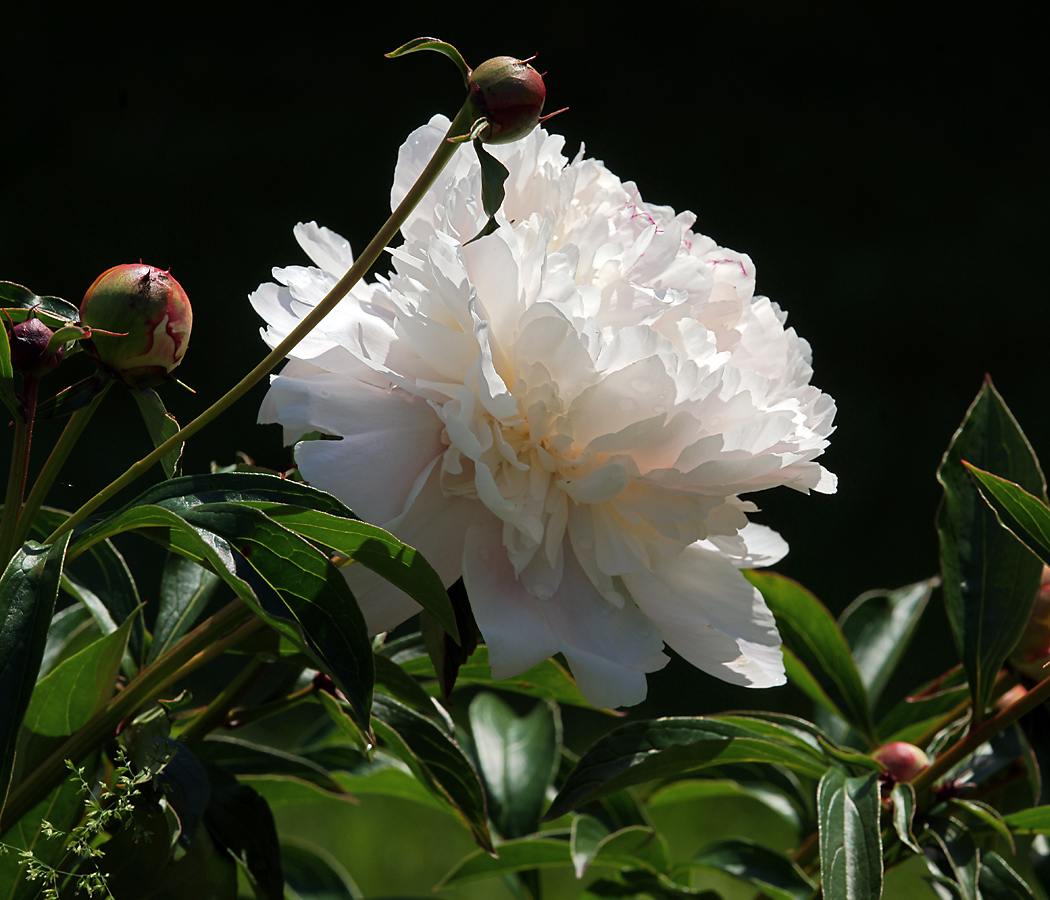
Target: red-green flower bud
(509, 93)
(29, 354)
(148, 318)
(903, 761)
(1032, 653)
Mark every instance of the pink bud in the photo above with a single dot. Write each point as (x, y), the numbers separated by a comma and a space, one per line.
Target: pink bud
(510, 94)
(903, 761)
(149, 319)
(29, 355)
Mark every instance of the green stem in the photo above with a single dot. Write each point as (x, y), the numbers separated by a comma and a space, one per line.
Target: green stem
(988, 729)
(19, 471)
(59, 454)
(208, 640)
(444, 152)
(214, 714)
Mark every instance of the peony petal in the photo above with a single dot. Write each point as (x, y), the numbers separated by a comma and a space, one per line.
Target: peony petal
(708, 612)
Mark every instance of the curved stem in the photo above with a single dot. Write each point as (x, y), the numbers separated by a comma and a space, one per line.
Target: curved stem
(59, 454)
(444, 152)
(208, 640)
(988, 729)
(214, 714)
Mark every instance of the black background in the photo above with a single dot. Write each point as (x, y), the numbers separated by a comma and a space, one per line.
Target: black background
(884, 166)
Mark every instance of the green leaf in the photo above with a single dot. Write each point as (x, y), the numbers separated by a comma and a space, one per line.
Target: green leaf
(161, 425)
(811, 633)
(879, 626)
(904, 815)
(102, 581)
(1000, 882)
(990, 816)
(246, 758)
(239, 820)
(915, 715)
(186, 588)
(626, 848)
(312, 873)
(28, 590)
(428, 43)
(1029, 821)
(67, 697)
(72, 629)
(961, 857)
(850, 839)
(493, 176)
(18, 301)
(7, 374)
(1025, 516)
(587, 834)
(518, 757)
(375, 549)
(285, 580)
(547, 681)
(676, 747)
(62, 810)
(776, 876)
(990, 579)
(436, 760)
(696, 791)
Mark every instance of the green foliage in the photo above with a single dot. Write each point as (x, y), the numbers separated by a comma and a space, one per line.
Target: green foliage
(989, 578)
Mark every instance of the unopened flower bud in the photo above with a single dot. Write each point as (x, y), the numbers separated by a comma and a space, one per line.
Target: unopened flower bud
(1032, 653)
(147, 317)
(29, 354)
(903, 761)
(509, 93)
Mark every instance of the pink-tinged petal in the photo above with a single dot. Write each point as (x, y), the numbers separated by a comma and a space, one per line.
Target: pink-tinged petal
(609, 650)
(709, 614)
(388, 439)
(437, 527)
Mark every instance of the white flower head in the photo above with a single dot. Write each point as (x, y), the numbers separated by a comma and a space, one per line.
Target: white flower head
(563, 413)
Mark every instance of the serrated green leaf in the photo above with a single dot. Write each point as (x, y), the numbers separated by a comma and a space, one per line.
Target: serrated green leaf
(850, 838)
(879, 626)
(517, 758)
(676, 747)
(990, 579)
(776, 876)
(161, 426)
(312, 873)
(436, 760)
(811, 633)
(77, 688)
(28, 590)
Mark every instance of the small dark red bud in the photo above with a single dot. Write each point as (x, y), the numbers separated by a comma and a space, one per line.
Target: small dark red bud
(149, 317)
(510, 94)
(29, 356)
(903, 761)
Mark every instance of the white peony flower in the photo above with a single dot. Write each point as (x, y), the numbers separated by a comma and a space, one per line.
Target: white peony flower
(564, 413)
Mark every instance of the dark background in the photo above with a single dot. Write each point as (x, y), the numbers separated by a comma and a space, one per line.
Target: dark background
(884, 166)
